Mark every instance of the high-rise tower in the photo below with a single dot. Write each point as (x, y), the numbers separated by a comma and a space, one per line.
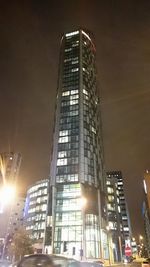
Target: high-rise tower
(118, 215)
(77, 168)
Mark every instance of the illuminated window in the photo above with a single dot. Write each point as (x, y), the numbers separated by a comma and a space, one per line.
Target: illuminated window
(108, 182)
(31, 210)
(72, 33)
(85, 92)
(74, 102)
(110, 190)
(124, 218)
(74, 113)
(63, 133)
(62, 154)
(66, 93)
(111, 198)
(68, 49)
(64, 139)
(72, 92)
(126, 229)
(112, 225)
(75, 62)
(75, 69)
(42, 234)
(67, 59)
(74, 97)
(110, 207)
(61, 162)
(145, 186)
(93, 130)
(74, 45)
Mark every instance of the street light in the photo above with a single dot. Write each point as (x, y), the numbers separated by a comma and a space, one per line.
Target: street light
(7, 194)
(141, 237)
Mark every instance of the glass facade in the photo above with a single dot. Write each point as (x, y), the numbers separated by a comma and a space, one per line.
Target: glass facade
(77, 172)
(118, 217)
(35, 210)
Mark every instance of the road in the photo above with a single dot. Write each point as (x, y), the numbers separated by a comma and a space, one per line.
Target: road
(133, 264)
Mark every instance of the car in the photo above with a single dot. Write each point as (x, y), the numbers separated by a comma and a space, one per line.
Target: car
(62, 261)
(5, 263)
(91, 264)
(128, 259)
(44, 260)
(146, 263)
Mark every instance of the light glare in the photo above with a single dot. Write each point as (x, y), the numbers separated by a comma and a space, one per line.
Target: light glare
(7, 194)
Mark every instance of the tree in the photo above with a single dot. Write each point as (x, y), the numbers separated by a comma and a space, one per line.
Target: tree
(144, 252)
(21, 245)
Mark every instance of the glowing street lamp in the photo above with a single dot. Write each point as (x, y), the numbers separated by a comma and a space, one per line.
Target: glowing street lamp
(141, 237)
(7, 194)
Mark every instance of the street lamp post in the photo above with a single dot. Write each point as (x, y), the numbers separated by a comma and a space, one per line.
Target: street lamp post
(7, 195)
(140, 244)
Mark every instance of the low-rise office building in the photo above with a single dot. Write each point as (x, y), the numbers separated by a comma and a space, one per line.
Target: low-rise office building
(35, 213)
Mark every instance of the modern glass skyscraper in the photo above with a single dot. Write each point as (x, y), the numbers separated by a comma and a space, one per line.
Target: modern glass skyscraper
(77, 176)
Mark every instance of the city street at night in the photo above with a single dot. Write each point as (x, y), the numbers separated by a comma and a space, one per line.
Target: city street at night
(74, 133)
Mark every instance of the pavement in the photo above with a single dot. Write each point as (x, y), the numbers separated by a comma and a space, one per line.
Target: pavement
(132, 264)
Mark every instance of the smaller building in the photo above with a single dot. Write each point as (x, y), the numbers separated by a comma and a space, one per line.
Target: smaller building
(11, 219)
(146, 209)
(118, 217)
(35, 213)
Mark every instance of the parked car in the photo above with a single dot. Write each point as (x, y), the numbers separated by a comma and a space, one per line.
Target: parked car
(5, 263)
(44, 260)
(146, 263)
(91, 264)
(128, 259)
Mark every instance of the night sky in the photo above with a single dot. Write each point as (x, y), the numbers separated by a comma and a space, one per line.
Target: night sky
(30, 34)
